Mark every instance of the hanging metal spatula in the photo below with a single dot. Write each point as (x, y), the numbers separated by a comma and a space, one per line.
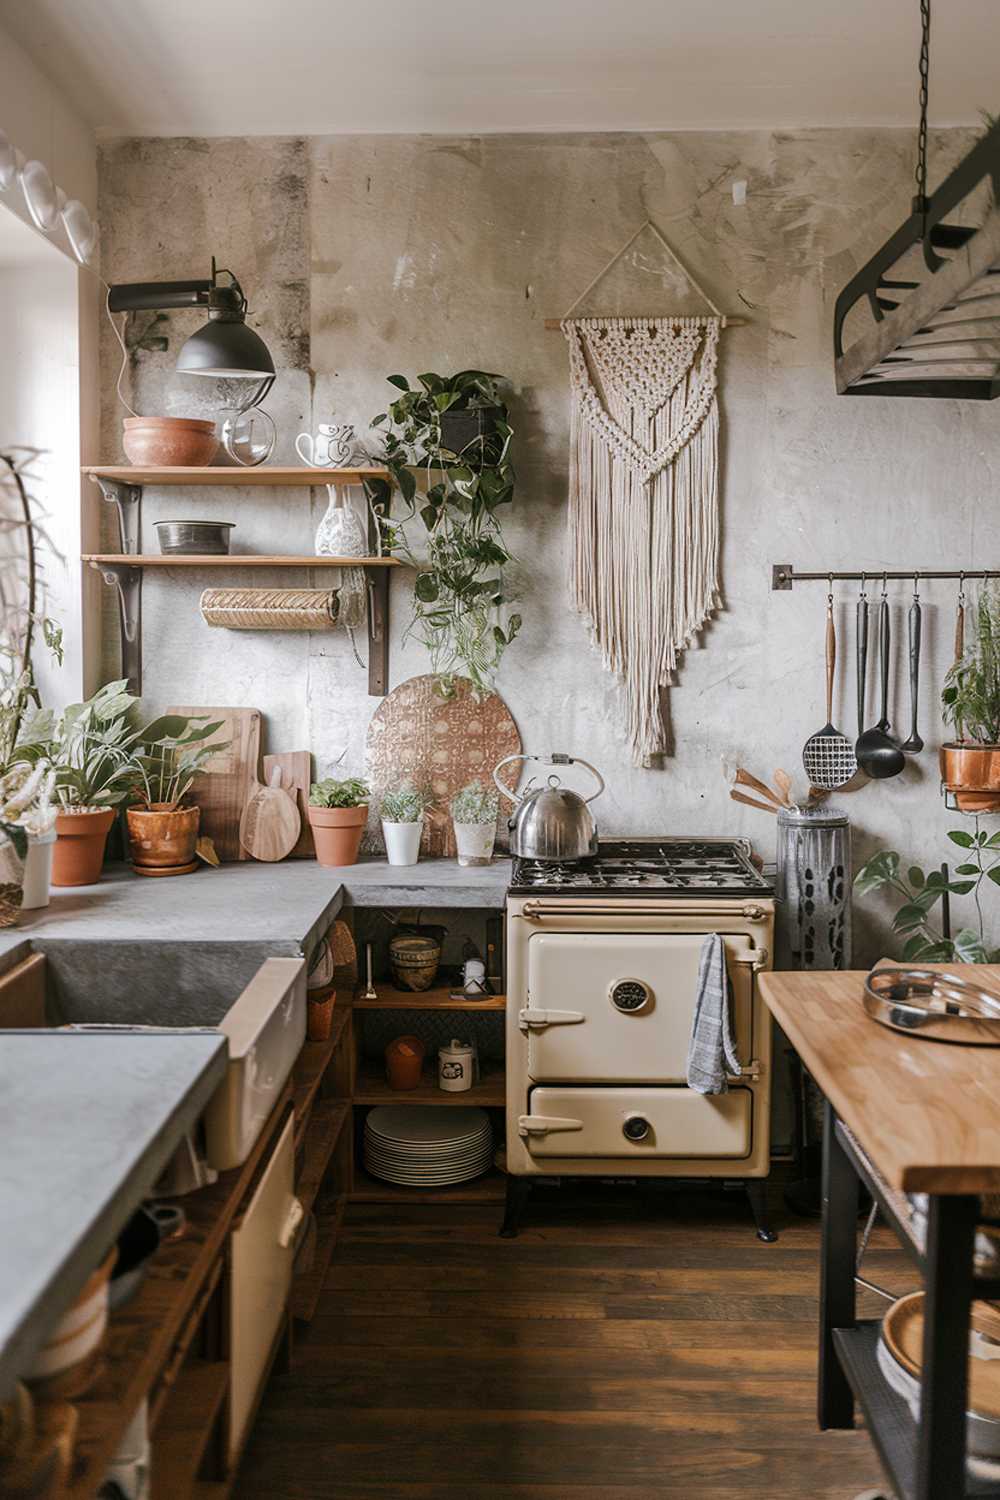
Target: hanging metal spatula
(828, 755)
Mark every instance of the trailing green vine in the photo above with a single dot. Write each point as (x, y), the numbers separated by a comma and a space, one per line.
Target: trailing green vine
(461, 605)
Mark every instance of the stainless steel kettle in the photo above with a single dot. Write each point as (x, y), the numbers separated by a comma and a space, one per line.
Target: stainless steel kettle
(551, 822)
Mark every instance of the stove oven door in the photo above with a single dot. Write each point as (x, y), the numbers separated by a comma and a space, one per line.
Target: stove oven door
(614, 1007)
(636, 1123)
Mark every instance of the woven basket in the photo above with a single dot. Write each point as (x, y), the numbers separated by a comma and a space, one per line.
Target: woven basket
(271, 609)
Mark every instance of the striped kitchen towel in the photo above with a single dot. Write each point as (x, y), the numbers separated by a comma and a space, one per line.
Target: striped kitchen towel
(712, 1050)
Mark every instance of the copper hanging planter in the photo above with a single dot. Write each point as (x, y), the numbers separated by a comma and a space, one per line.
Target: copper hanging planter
(972, 774)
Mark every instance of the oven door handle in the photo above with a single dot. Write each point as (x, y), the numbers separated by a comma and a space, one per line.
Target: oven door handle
(538, 911)
(543, 1124)
(533, 1019)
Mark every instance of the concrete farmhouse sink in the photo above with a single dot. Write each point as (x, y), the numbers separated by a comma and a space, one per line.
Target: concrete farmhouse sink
(256, 1000)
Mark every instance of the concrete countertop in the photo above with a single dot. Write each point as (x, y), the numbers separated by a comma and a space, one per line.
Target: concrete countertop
(88, 1124)
(291, 902)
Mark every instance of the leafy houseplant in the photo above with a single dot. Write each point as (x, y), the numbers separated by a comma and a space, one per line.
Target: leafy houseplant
(402, 810)
(921, 892)
(163, 835)
(338, 812)
(100, 757)
(474, 815)
(460, 600)
(970, 765)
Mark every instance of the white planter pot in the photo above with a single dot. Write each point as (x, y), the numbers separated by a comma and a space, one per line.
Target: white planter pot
(402, 841)
(38, 871)
(475, 842)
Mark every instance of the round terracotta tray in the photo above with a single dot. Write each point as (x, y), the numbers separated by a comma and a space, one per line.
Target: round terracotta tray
(903, 1332)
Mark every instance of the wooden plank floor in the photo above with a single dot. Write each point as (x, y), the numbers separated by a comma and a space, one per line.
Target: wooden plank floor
(627, 1346)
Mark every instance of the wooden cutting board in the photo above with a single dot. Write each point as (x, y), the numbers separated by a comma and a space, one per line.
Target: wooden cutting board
(440, 744)
(222, 792)
(270, 823)
(296, 767)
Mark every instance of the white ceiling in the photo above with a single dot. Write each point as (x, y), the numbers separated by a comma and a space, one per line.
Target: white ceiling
(235, 67)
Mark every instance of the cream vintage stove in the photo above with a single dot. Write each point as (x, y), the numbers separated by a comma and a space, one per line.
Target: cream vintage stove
(602, 965)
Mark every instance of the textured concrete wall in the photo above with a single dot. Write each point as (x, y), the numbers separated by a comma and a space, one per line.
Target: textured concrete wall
(368, 255)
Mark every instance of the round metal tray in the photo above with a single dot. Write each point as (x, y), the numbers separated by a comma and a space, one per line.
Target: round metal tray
(938, 1007)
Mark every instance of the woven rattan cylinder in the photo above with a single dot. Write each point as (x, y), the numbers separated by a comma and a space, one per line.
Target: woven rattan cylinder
(271, 609)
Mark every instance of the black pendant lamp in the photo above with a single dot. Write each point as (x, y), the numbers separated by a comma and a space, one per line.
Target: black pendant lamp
(225, 347)
(933, 290)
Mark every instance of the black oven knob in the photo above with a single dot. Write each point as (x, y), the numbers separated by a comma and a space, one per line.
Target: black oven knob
(630, 995)
(636, 1128)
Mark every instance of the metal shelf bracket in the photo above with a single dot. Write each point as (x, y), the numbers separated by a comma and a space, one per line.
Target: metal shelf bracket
(128, 582)
(127, 498)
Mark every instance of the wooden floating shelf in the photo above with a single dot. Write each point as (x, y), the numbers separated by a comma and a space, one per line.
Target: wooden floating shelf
(439, 998)
(231, 560)
(267, 474)
(371, 1088)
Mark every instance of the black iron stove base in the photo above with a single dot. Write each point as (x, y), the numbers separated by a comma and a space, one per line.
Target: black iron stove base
(519, 1191)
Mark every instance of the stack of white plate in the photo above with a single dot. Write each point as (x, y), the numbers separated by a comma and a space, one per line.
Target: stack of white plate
(421, 1147)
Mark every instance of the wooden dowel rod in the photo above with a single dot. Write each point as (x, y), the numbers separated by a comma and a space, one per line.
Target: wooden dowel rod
(728, 322)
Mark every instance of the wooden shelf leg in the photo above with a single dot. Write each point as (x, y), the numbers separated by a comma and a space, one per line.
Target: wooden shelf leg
(951, 1232)
(837, 1267)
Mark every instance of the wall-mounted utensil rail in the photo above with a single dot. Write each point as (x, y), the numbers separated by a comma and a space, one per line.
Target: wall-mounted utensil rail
(784, 575)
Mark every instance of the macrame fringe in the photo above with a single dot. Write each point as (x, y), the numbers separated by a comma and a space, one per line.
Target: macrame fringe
(644, 519)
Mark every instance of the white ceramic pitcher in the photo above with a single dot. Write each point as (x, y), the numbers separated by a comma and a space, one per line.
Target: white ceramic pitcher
(331, 448)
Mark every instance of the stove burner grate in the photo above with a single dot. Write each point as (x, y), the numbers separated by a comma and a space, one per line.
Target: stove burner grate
(649, 867)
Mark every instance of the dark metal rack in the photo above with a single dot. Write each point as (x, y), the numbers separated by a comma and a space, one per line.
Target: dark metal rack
(783, 575)
(925, 1460)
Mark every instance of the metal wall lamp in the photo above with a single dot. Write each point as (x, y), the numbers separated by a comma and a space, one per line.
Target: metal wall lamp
(225, 347)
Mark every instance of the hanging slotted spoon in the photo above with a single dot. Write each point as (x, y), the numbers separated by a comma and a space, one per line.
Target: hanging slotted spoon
(828, 755)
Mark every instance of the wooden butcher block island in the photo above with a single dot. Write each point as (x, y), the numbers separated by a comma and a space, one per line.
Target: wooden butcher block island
(904, 1115)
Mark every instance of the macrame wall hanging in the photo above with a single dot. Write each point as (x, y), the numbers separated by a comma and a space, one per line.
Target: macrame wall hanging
(644, 492)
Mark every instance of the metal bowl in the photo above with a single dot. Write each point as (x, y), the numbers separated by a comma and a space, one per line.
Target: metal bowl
(208, 538)
(939, 1007)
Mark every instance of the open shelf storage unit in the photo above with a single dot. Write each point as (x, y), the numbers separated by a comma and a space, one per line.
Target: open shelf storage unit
(171, 1344)
(123, 570)
(925, 1460)
(369, 1088)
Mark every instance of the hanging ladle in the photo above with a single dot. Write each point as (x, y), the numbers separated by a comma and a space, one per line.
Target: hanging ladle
(877, 754)
(914, 744)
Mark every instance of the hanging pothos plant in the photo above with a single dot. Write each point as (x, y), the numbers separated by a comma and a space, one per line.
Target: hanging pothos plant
(460, 603)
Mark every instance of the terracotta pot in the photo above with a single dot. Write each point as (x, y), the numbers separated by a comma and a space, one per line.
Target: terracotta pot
(161, 837)
(79, 851)
(337, 833)
(168, 442)
(972, 773)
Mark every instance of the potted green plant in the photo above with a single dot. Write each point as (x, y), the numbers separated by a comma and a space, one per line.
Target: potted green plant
(919, 892)
(970, 764)
(338, 812)
(402, 811)
(461, 603)
(474, 815)
(163, 834)
(96, 750)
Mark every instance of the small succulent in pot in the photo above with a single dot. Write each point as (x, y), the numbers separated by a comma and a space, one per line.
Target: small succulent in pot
(338, 812)
(474, 815)
(402, 810)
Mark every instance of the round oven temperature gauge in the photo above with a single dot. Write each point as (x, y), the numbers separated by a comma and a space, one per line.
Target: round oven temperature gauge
(630, 995)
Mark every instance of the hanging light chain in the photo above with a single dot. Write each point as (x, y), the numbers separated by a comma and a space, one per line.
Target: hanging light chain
(925, 64)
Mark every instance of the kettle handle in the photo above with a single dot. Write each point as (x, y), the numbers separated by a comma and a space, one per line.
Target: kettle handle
(555, 759)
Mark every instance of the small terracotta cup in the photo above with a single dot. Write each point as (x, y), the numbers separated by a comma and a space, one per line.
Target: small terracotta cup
(404, 1062)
